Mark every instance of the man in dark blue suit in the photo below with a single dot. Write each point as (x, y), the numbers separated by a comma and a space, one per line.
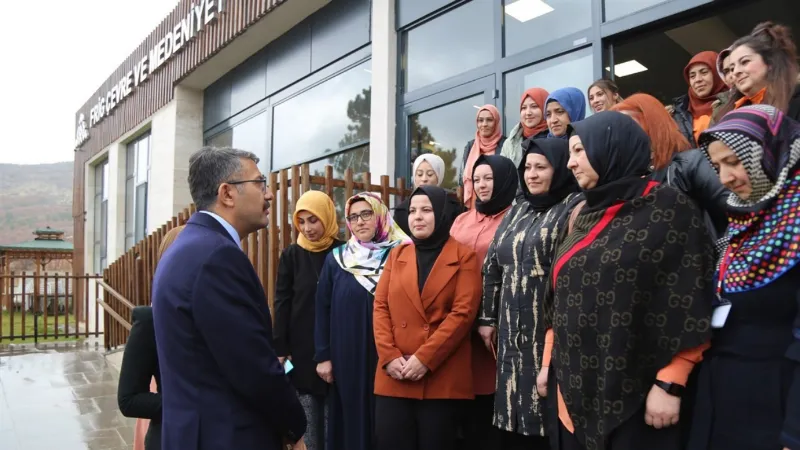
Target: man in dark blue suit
(223, 387)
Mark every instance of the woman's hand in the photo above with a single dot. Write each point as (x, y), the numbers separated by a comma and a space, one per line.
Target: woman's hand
(395, 368)
(325, 371)
(488, 335)
(541, 381)
(282, 359)
(414, 370)
(661, 409)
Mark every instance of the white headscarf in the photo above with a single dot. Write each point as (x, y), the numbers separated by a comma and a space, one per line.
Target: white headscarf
(436, 163)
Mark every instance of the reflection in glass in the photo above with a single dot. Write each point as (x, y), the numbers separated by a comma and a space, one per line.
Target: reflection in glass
(574, 69)
(252, 136)
(614, 9)
(328, 117)
(450, 44)
(142, 157)
(224, 139)
(356, 159)
(530, 23)
(445, 131)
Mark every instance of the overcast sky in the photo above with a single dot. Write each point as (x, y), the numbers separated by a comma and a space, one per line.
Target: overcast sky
(56, 54)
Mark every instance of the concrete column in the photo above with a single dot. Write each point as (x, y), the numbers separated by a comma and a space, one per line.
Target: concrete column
(384, 89)
(117, 164)
(176, 133)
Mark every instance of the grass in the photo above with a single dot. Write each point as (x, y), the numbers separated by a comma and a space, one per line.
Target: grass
(30, 328)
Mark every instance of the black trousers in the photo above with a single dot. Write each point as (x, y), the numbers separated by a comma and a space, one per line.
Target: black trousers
(477, 429)
(409, 424)
(633, 434)
(516, 441)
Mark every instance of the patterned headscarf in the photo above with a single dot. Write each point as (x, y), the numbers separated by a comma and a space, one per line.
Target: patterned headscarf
(365, 260)
(763, 235)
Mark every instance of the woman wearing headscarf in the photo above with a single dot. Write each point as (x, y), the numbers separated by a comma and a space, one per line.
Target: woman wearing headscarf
(295, 291)
(344, 343)
(515, 275)
(139, 387)
(563, 107)
(488, 140)
(428, 170)
(749, 384)
(425, 305)
(631, 301)
(692, 111)
(531, 123)
(673, 162)
(495, 182)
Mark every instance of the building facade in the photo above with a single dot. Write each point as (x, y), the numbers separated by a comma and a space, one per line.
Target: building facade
(365, 84)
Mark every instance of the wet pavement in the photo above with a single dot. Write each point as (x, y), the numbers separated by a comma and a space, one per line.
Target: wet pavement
(63, 399)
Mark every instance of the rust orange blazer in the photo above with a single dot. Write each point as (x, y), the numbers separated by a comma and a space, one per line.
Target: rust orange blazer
(433, 325)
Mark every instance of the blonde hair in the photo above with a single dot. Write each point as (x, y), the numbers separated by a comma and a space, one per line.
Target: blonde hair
(169, 238)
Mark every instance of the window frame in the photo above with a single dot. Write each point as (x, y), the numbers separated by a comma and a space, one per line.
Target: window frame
(136, 226)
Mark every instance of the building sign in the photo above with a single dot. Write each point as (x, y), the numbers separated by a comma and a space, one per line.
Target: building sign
(203, 14)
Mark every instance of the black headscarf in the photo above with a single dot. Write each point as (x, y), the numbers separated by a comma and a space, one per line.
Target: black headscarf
(428, 249)
(619, 151)
(505, 184)
(563, 183)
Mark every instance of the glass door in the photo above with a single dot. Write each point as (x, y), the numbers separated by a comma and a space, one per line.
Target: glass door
(442, 124)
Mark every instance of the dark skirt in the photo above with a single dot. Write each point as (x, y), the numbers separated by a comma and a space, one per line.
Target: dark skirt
(740, 403)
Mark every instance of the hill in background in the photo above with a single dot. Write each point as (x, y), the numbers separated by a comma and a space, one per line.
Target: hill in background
(35, 196)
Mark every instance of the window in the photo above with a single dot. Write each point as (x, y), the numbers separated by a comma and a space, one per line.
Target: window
(331, 116)
(101, 216)
(137, 175)
(530, 23)
(448, 45)
(445, 131)
(252, 135)
(574, 69)
(614, 9)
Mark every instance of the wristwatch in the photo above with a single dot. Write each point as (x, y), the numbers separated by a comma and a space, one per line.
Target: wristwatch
(671, 388)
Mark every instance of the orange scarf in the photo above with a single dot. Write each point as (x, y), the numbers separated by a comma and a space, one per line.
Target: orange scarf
(481, 146)
(756, 99)
(701, 106)
(538, 95)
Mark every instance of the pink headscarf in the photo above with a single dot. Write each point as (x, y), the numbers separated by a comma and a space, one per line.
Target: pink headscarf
(481, 146)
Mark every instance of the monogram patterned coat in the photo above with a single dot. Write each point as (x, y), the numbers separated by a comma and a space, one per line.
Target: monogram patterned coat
(515, 273)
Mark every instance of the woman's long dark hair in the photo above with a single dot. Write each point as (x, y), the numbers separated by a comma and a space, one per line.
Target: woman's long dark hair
(775, 45)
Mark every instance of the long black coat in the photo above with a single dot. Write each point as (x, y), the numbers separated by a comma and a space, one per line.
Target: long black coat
(139, 366)
(293, 332)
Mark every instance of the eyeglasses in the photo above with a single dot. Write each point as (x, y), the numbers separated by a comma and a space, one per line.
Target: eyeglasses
(262, 180)
(364, 215)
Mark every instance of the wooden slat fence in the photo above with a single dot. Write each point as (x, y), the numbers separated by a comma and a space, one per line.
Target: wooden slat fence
(48, 307)
(128, 281)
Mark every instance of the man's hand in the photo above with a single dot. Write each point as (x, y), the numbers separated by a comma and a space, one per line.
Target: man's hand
(488, 335)
(395, 368)
(661, 409)
(325, 371)
(414, 370)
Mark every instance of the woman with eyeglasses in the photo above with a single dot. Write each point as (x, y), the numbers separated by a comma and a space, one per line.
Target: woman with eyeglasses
(298, 273)
(345, 345)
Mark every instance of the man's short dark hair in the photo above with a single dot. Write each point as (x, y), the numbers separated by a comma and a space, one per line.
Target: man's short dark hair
(211, 166)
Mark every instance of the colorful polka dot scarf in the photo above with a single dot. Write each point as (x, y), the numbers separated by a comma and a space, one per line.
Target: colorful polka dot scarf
(763, 238)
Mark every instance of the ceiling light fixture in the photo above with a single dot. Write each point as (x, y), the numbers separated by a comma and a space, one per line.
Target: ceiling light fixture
(525, 10)
(627, 68)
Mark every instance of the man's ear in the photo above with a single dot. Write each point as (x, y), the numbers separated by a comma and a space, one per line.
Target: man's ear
(225, 194)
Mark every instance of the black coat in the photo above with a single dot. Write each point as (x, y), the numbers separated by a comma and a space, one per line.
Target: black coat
(691, 173)
(401, 213)
(139, 366)
(466, 156)
(684, 119)
(293, 332)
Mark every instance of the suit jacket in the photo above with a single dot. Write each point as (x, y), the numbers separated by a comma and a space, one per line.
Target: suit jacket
(432, 325)
(139, 366)
(223, 385)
